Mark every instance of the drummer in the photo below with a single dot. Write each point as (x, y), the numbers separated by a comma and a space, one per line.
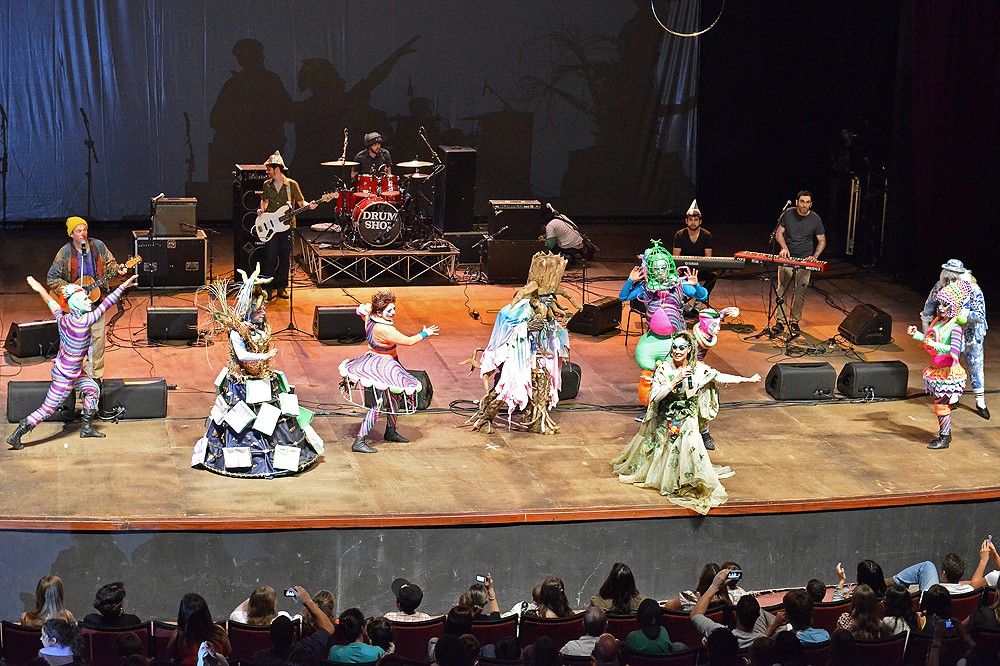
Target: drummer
(373, 159)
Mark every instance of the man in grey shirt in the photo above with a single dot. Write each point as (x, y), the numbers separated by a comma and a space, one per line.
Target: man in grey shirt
(797, 229)
(595, 622)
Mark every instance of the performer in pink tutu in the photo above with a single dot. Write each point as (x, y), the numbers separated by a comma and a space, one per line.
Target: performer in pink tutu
(379, 369)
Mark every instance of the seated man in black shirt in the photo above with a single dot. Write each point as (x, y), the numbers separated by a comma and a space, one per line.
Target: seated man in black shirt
(693, 241)
(373, 159)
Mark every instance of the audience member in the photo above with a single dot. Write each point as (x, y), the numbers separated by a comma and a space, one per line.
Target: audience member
(127, 644)
(326, 604)
(863, 621)
(987, 552)
(302, 656)
(350, 647)
(544, 652)
(457, 623)
(686, 600)
(282, 639)
(595, 623)
(799, 610)
(723, 648)
(760, 652)
(408, 598)
(194, 627)
(481, 598)
(924, 575)
(816, 589)
(843, 649)
(747, 615)
(380, 634)
(450, 651)
(507, 649)
(733, 584)
(899, 613)
(259, 609)
(935, 604)
(61, 644)
(317, 642)
(552, 601)
(787, 650)
(390, 660)
(651, 637)
(869, 573)
(618, 594)
(49, 603)
(110, 604)
(607, 651)
(471, 652)
(137, 659)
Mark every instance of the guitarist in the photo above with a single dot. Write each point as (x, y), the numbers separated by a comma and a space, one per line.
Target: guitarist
(84, 257)
(278, 191)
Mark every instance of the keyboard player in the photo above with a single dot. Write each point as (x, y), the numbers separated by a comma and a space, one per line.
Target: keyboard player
(695, 241)
(800, 234)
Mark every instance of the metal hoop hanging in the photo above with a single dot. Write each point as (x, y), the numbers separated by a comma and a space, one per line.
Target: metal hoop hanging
(652, 6)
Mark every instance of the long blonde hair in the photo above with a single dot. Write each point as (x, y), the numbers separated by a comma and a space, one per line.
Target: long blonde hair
(48, 602)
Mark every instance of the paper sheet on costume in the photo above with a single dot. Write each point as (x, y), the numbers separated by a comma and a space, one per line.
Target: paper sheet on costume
(221, 378)
(239, 417)
(219, 410)
(267, 418)
(313, 438)
(237, 457)
(283, 381)
(286, 457)
(258, 390)
(200, 449)
(305, 417)
(289, 403)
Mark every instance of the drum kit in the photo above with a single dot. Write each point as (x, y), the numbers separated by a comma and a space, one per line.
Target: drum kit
(383, 209)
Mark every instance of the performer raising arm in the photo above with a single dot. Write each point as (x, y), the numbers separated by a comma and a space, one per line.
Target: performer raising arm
(67, 369)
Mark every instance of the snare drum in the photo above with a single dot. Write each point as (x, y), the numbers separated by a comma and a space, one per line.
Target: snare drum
(367, 185)
(388, 187)
(377, 221)
(344, 204)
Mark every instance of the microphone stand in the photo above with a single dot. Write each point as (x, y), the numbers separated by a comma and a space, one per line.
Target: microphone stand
(3, 163)
(583, 259)
(775, 301)
(187, 142)
(91, 161)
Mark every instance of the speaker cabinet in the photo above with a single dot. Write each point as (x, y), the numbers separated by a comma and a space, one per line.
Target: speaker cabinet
(164, 323)
(338, 322)
(142, 398)
(177, 261)
(32, 338)
(571, 376)
(174, 217)
(455, 190)
(880, 379)
(513, 219)
(867, 325)
(597, 318)
(508, 261)
(466, 242)
(423, 398)
(25, 397)
(248, 183)
(801, 381)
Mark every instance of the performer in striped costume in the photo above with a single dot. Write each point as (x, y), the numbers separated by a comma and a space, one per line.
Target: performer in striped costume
(379, 367)
(67, 369)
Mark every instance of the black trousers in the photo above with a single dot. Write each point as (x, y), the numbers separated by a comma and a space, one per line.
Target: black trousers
(276, 255)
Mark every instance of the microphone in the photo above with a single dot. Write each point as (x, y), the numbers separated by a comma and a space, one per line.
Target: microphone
(83, 248)
(501, 230)
(159, 196)
(84, 114)
(788, 204)
(690, 383)
(551, 209)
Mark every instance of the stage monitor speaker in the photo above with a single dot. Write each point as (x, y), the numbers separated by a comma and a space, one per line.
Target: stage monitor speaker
(25, 397)
(142, 398)
(597, 318)
(878, 379)
(801, 381)
(508, 261)
(178, 261)
(167, 323)
(867, 325)
(174, 217)
(338, 322)
(423, 398)
(32, 338)
(571, 376)
(514, 218)
(455, 189)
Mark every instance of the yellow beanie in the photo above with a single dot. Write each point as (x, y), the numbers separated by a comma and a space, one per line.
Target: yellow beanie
(73, 222)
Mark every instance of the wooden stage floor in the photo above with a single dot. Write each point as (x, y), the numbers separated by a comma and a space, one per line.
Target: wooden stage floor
(787, 457)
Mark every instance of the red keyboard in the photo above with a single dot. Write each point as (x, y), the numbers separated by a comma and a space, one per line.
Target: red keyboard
(764, 258)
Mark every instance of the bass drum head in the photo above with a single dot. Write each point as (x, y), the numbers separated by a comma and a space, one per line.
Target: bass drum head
(377, 222)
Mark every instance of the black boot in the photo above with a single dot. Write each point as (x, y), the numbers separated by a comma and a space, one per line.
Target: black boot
(392, 436)
(361, 445)
(941, 442)
(983, 411)
(709, 442)
(23, 428)
(88, 429)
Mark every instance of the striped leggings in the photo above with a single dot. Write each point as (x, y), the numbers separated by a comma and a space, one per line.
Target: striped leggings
(372, 415)
(61, 387)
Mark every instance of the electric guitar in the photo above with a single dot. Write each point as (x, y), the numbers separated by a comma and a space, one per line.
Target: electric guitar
(269, 224)
(92, 287)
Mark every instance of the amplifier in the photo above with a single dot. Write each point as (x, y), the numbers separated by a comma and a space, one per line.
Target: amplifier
(174, 217)
(801, 381)
(508, 261)
(338, 322)
(32, 338)
(171, 323)
(142, 398)
(875, 379)
(173, 261)
(522, 218)
(867, 325)
(597, 318)
(250, 173)
(25, 397)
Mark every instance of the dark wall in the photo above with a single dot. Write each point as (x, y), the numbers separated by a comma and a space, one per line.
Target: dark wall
(358, 565)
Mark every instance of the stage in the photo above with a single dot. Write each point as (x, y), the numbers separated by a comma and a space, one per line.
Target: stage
(788, 457)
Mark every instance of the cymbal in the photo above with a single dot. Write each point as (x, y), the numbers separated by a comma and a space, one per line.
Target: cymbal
(340, 163)
(416, 175)
(414, 164)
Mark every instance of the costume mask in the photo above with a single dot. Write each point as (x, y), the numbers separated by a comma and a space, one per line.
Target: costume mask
(77, 299)
(659, 268)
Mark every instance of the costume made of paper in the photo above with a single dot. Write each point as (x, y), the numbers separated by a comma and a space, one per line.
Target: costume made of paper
(662, 292)
(976, 326)
(256, 427)
(393, 388)
(945, 377)
(668, 453)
